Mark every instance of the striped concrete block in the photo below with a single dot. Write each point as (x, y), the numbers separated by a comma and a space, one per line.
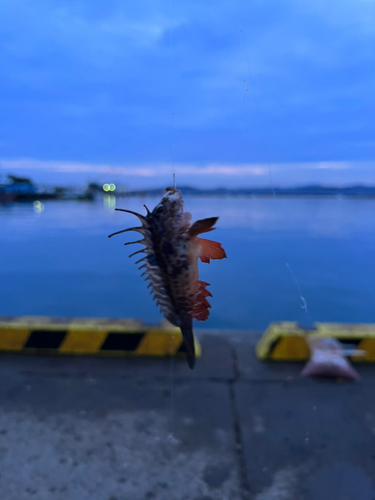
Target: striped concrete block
(286, 341)
(90, 336)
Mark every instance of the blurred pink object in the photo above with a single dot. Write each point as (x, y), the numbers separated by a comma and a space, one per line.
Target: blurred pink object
(328, 360)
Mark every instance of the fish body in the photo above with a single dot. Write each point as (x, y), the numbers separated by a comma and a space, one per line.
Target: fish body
(170, 262)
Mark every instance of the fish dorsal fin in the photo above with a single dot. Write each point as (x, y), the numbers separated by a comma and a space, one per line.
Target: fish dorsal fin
(202, 226)
(210, 250)
(201, 306)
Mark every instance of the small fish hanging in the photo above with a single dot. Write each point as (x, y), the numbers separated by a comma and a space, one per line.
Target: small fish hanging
(172, 249)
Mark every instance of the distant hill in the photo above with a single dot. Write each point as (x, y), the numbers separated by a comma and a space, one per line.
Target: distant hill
(302, 191)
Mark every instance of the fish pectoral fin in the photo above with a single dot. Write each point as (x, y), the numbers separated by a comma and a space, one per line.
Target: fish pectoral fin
(202, 226)
(210, 250)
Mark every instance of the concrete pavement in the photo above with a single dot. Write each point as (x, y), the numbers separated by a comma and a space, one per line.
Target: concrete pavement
(139, 429)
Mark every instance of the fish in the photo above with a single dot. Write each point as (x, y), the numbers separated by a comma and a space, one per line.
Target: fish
(172, 248)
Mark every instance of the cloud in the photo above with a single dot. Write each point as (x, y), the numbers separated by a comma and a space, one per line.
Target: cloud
(210, 175)
(157, 169)
(99, 82)
(334, 165)
(135, 171)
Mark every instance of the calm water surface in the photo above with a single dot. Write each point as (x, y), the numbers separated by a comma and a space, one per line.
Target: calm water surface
(60, 261)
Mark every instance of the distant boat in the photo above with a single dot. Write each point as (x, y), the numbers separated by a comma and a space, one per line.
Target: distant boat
(23, 189)
(18, 188)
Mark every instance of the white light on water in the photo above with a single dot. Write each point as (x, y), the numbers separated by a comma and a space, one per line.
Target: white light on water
(38, 207)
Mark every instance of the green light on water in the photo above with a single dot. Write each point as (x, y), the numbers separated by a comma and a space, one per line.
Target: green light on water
(106, 187)
(109, 201)
(112, 187)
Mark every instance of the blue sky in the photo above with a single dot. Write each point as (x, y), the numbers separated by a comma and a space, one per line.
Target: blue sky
(221, 93)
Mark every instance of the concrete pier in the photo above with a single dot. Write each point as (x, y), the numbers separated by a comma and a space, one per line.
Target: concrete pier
(78, 428)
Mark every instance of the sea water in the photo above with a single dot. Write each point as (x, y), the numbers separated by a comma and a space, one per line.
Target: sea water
(288, 259)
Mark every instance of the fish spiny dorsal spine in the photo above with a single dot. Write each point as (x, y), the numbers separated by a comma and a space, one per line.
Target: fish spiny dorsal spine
(152, 271)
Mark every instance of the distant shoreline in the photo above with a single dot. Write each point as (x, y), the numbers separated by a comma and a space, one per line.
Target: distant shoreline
(23, 190)
(362, 192)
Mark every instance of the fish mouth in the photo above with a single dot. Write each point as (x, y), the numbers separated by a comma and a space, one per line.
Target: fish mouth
(172, 194)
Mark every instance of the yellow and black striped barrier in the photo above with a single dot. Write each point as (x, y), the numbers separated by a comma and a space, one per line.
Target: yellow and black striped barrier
(287, 341)
(90, 336)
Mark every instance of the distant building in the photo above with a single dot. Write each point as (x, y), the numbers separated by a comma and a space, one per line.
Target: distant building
(94, 187)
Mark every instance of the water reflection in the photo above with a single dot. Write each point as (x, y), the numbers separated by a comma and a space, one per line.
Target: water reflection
(38, 207)
(62, 263)
(317, 216)
(330, 217)
(109, 201)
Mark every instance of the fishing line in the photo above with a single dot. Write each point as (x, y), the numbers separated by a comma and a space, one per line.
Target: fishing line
(171, 96)
(171, 366)
(304, 303)
(172, 150)
(252, 88)
(244, 89)
(171, 434)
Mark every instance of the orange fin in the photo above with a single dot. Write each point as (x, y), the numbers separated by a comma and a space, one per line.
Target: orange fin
(210, 250)
(201, 308)
(201, 314)
(202, 226)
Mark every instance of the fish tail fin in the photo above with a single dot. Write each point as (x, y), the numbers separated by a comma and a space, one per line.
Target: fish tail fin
(187, 333)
